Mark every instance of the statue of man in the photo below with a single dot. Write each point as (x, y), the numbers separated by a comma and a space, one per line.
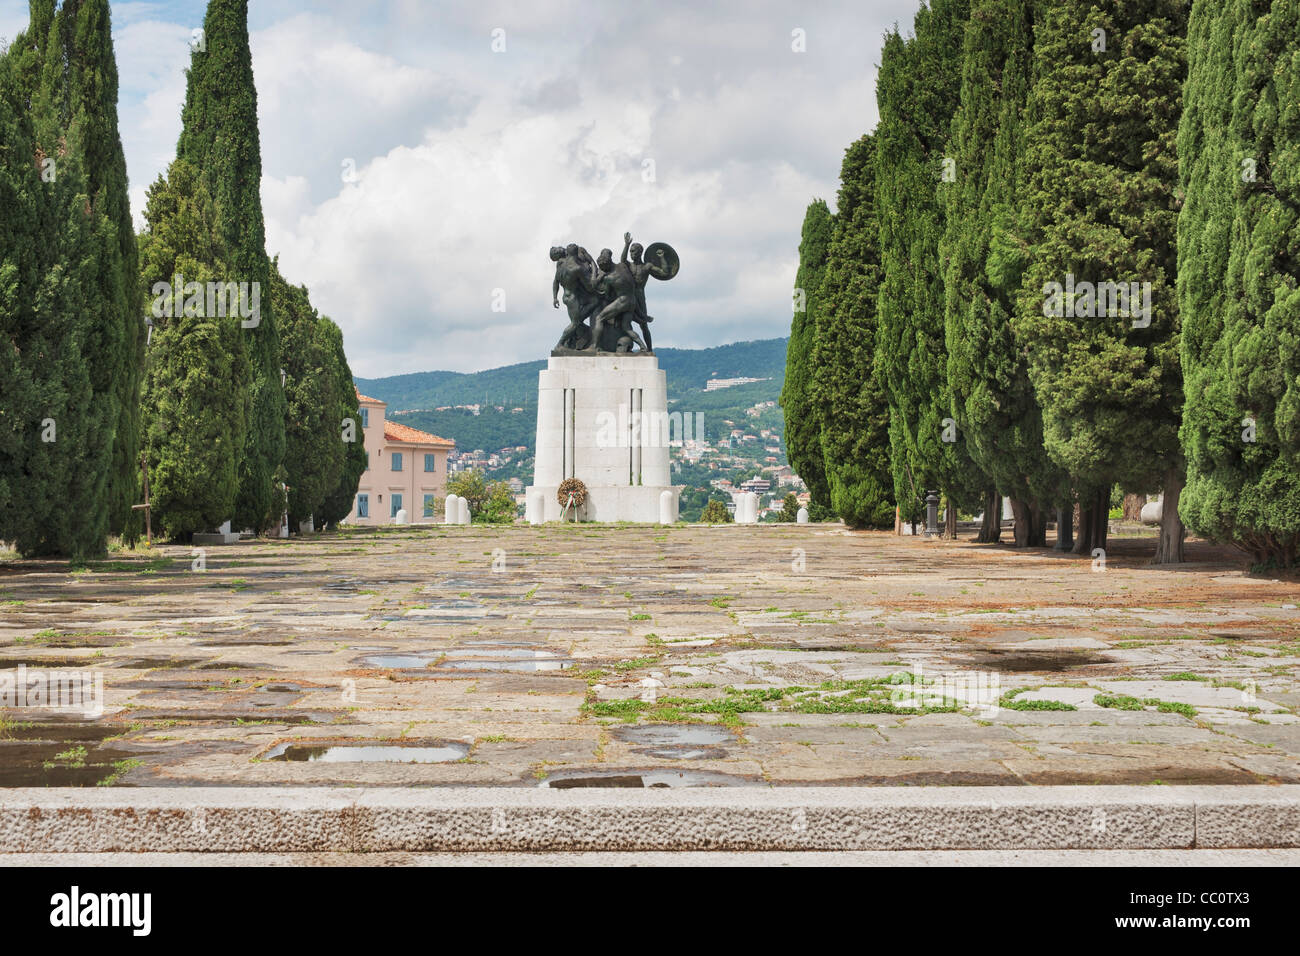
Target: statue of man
(618, 286)
(640, 272)
(576, 274)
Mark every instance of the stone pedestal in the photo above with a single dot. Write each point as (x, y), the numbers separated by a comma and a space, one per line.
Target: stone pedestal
(603, 419)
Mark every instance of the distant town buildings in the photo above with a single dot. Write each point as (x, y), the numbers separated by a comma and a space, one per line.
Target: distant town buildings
(713, 384)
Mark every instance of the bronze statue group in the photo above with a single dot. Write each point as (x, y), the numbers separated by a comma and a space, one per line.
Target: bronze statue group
(609, 294)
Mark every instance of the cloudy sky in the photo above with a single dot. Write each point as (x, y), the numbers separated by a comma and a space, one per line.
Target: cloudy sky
(696, 124)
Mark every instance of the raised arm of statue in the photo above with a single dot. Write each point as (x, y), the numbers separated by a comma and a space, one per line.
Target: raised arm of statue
(627, 242)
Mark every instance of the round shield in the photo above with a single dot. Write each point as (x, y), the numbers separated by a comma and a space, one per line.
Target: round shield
(662, 260)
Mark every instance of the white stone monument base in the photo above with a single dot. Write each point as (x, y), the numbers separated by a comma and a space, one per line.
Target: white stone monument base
(603, 419)
(639, 503)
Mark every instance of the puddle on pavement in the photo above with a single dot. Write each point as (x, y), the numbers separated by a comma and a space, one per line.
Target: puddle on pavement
(73, 643)
(60, 731)
(516, 667)
(367, 753)
(641, 779)
(1243, 635)
(346, 587)
(658, 734)
(58, 764)
(677, 741)
(513, 659)
(478, 658)
(59, 754)
(233, 666)
(1024, 661)
(228, 715)
(843, 648)
(400, 661)
(275, 695)
(241, 642)
(442, 620)
(156, 663)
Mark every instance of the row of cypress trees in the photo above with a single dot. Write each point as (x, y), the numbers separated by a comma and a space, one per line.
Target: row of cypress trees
(1027, 142)
(226, 412)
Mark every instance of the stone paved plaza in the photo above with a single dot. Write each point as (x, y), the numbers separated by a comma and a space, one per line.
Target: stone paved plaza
(582, 655)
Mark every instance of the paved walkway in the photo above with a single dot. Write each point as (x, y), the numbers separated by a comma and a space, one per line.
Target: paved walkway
(575, 656)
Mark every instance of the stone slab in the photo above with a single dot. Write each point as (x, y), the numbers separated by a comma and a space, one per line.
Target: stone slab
(327, 819)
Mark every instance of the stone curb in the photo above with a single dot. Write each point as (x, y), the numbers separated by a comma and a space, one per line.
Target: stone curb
(316, 820)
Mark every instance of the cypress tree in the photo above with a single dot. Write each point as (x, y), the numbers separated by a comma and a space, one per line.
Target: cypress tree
(1237, 276)
(119, 347)
(1100, 207)
(314, 451)
(25, 243)
(917, 92)
(219, 137)
(993, 400)
(195, 406)
(802, 424)
(338, 503)
(68, 341)
(846, 386)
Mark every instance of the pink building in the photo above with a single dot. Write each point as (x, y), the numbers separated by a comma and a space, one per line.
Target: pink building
(406, 470)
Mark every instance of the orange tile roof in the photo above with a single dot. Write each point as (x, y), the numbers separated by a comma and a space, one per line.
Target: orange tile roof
(405, 433)
(367, 398)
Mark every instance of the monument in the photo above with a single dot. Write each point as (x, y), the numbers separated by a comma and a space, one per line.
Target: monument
(602, 403)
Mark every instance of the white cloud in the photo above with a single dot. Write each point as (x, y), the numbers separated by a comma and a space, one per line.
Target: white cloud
(472, 164)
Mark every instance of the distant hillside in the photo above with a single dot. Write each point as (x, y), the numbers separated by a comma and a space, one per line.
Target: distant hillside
(512, 385)
(413, 400)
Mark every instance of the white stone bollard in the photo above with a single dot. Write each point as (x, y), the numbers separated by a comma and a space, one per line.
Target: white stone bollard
(666, 507)
(534, 507)
(401, 516)
(747, 508)
(462, 511)
(802, 516)
(449, 510)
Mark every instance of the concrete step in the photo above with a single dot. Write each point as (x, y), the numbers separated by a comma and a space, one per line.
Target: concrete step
(285, 820)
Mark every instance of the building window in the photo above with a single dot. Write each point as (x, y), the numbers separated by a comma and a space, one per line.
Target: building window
(363, 506)
(429, 506)
(397, 460)
(365, 418)
(428, 463)
(395, 506)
